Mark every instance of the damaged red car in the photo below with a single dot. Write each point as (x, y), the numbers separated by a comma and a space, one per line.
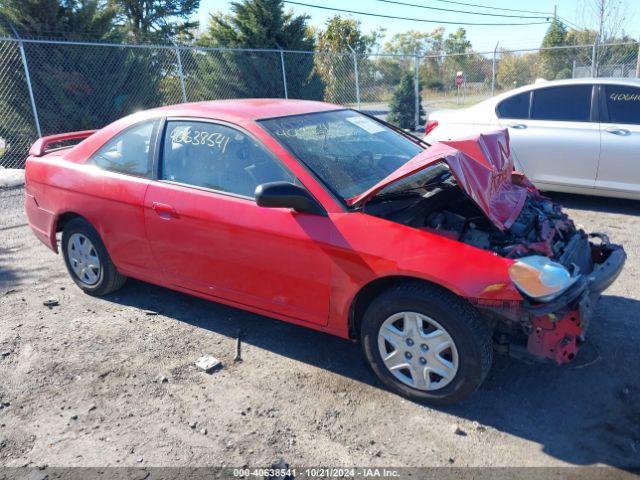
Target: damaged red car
(432, 256)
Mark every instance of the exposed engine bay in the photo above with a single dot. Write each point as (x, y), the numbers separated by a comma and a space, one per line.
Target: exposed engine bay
(440, 207)
(433, 201)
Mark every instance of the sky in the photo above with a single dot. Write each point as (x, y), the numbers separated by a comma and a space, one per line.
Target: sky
(483, 38)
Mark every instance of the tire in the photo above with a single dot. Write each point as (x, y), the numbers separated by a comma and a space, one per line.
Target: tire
(95, 281)
(432, 308)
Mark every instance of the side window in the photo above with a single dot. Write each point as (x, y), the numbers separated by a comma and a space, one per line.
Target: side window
(567, 103)
(515, 107)
(218, 157)
(623, 103)
(129, 152)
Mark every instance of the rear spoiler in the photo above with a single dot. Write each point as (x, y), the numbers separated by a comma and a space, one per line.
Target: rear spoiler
(39, 148)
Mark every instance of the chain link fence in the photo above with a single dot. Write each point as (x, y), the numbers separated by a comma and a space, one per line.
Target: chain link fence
(50, 86)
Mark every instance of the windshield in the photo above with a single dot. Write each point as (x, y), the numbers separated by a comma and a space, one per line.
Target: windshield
(348, 151)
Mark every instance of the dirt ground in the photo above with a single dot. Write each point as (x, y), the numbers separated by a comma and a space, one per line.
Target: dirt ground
(103, 382)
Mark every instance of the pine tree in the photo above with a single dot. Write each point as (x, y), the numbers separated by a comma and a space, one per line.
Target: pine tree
(555, 63)
(46, 18)
(403, 104)
(258, 24)
(157, 19)
(75, 87)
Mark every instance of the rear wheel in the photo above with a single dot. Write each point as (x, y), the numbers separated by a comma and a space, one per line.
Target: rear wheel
(87, 259)
(426, 343)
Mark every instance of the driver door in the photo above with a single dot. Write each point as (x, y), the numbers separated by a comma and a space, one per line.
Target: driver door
(208, 235)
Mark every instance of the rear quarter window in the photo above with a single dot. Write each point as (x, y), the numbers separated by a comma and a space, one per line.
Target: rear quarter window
(129, 152)
(623, 104)
(515, 107)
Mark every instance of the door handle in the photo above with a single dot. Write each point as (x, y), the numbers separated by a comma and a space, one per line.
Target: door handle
(163, 210)
(518, 126)
(623, 132)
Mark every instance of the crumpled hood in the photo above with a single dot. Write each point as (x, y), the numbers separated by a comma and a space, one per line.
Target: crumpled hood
(482, 166)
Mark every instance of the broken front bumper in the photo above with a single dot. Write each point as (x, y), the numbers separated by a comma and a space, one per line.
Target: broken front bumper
(558, 327)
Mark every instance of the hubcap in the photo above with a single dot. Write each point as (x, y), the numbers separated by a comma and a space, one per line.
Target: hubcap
(84, 259)
(418, 351)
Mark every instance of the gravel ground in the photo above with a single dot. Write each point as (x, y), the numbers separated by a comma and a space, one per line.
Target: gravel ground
(102, 382)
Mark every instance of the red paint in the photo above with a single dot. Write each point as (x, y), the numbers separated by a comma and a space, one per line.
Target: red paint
(556, 339)
(302, 268)
(40, 146)
(431, 125)
(482, 166)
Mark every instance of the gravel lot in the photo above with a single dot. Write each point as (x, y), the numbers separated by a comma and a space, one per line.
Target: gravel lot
(101, 382)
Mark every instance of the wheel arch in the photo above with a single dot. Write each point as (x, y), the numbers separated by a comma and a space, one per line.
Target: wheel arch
(373, 289)
(64, 218)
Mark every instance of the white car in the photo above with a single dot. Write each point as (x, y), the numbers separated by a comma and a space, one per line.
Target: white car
(577, 136)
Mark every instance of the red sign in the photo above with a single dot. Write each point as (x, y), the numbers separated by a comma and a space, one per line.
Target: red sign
(459, 79)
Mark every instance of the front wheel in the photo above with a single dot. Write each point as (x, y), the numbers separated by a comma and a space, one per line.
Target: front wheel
(87, 259)
(426, 344)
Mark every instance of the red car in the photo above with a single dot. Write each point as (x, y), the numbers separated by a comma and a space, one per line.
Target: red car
(430, 256)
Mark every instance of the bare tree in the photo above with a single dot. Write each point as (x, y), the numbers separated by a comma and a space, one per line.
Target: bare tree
(607, 17)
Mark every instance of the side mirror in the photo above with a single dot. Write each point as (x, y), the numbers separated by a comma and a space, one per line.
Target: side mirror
(287, 195)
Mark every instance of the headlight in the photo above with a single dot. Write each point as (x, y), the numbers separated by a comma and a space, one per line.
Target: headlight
(540, 278)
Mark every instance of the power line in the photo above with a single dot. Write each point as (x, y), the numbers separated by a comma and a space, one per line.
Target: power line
(461, 11)
(424, 20)
(568, 22)
(491, 7)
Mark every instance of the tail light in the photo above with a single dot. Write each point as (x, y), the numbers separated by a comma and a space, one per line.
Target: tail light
(431, 125)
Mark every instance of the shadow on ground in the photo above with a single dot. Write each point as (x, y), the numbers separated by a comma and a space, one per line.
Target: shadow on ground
(596, 204)
(583, 413)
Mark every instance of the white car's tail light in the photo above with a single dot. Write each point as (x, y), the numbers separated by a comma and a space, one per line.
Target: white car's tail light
(431, 124)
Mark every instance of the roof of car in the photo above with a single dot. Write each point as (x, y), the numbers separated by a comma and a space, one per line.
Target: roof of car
(247, 108)
(570, 81)
(542, 83)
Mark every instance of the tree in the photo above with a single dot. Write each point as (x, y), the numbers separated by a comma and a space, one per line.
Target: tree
(457, 49)
(75, 87)
(342, 35)
(257, 24)
(73, 90)
(407, 44)
(457, 43)
(403, 104)
(413, 42)
(516, 70)
(71, 19)
(607, 17)
(555, 62)
(156, 19)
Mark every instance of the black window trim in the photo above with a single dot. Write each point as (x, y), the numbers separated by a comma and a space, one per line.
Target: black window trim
(152, 148)
(595, 103)
(159, 152)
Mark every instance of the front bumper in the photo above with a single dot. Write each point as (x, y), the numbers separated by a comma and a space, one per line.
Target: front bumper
(559, 327)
